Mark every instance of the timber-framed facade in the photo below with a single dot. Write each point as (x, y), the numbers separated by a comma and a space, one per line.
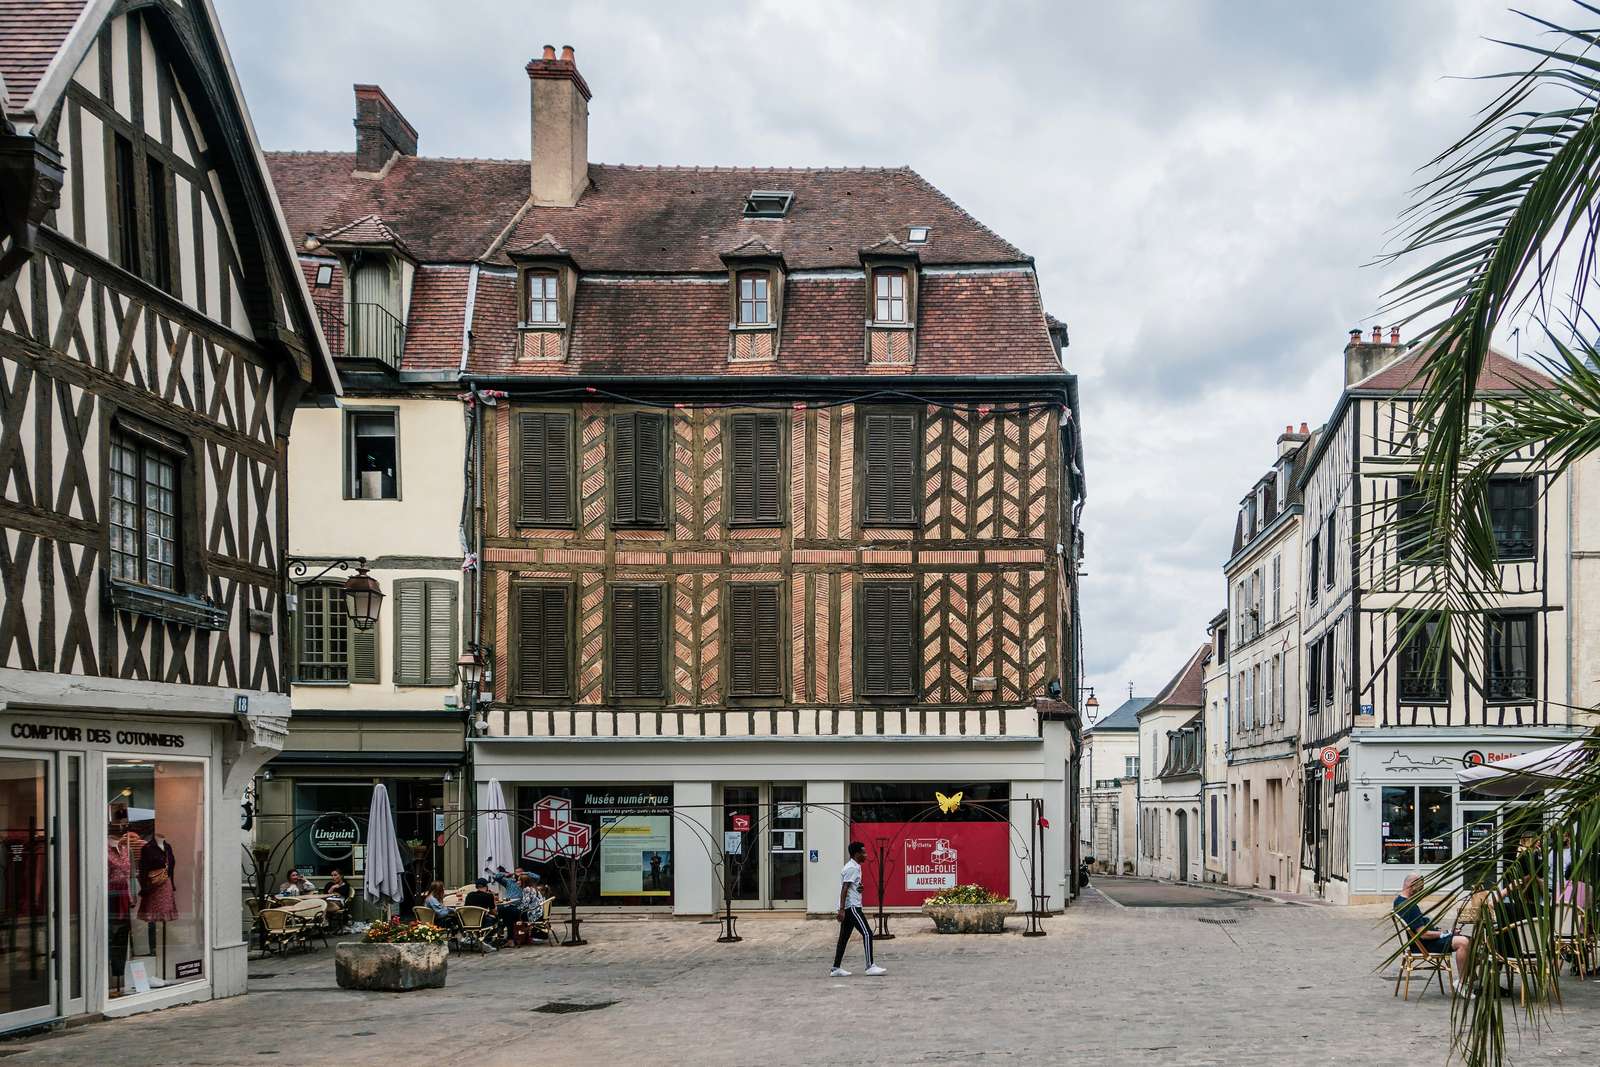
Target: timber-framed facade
(770, 509)
(155, 339)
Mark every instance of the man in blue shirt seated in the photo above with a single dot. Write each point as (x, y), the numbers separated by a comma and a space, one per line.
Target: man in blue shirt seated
(1425, 938)
(509, 913)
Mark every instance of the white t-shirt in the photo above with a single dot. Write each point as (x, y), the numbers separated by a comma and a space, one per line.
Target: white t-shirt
(850, 875)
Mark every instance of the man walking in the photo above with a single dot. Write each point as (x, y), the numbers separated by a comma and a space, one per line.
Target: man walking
(850, 915)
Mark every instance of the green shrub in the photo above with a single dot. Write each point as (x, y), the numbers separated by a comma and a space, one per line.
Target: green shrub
(966, 894)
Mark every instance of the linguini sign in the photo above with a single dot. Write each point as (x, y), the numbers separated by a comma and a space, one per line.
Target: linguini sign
(334, 835)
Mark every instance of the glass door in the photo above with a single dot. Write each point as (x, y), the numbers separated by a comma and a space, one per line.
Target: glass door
(27, 974)
(742, 858)
(787, 847)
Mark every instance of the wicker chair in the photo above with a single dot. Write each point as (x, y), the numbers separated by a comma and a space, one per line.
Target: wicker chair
(1575, 939)
(1518, 951)
(1417, 958)
(283, 930)
(424, 915)
(472, 931)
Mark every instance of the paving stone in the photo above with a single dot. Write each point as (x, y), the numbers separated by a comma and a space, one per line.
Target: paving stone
(1281, 984)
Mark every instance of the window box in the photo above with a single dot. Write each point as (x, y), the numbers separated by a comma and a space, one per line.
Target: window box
(168, 607)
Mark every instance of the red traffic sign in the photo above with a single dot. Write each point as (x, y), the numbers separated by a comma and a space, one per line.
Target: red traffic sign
(1330, 757)
(1328, 774)
(740, 823)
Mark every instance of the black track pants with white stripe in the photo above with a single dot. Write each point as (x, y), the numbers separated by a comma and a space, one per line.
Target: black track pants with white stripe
(853, 920)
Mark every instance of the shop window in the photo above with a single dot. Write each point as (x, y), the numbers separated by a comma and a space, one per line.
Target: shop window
(324, 813)
(638, 469)
(757, 469)
(1509, 659)
(889, 450)
(888, 635)
(1513, 506)
(1417, 823)
(26, 910)
(155, 873)
(145, 494)
(755, 663)
(544, 469)
(425, 618)
(636, 641)
(630, 835)
(328, 650)
(1425, 675)
(372, 449)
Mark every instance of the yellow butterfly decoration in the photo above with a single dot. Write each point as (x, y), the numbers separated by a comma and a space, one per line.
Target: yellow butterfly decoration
(947, 804)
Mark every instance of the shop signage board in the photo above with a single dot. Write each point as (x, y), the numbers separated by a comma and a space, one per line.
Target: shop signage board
(636, 855)
(334, 835)
(923, 858)
(740, 823)
(732, 842)
(553, 834)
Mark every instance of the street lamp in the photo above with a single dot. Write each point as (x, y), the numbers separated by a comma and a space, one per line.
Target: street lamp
(363, 597)
(471, 668)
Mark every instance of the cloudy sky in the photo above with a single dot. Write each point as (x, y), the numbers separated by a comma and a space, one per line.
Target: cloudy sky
(1201, 183)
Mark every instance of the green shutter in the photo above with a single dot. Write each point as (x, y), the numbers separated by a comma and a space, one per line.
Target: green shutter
(874, 634)
(544, 474)
(364, 655)
(556, 640)
(410, 627)
(650, 476)
(888, 639)
(769, 470)
(623, 504)
(649, 643)
(636, 641)
(440, 633)
(768, 661)
(742, 435)
(741, 640)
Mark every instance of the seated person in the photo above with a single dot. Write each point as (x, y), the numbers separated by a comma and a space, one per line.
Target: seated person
(480, 897)
(1426, 938)
(434, 902)
(296, 886)
(533, 898)
(337, 886)
(509, 913)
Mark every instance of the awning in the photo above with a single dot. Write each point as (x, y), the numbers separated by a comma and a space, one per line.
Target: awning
(1527, 773)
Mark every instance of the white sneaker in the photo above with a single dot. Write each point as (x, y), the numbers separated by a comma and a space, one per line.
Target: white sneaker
(838, 972)
(874, 969)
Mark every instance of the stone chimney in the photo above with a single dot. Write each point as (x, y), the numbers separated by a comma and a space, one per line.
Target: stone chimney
(1362, 358)
(1288, 440)
(381, 130)
(560, 111)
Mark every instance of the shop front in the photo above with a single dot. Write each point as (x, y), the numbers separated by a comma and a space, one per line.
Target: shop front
(114, 865)
(689, 827)
(1409, 815)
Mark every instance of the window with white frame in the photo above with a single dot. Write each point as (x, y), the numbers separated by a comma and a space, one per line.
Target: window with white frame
(1130, 766)
(1271, 694)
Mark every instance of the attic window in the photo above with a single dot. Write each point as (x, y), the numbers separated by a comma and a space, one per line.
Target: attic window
(768, 204)
(917, 235)
(324, 275)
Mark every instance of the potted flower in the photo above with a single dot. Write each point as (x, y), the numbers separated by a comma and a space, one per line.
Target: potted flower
(418, 847)
(968, 909)
(394, 956)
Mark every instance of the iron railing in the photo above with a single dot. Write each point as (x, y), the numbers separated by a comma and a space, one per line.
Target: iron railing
(363, 331)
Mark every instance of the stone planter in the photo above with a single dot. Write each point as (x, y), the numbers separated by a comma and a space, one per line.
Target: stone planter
(390, 968)
(970, 918)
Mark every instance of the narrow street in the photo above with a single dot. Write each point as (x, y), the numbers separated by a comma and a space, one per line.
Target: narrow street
(1190, 980)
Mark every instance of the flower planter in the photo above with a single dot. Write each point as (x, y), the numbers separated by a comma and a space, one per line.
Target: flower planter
(969, 918)
(390, 968)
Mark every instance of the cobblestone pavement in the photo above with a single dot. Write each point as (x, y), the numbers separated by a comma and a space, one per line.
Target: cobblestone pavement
(1279, 984)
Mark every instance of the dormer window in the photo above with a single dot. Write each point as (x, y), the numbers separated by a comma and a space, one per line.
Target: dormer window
(754, 304)
(544, 308)
(890, 296)
(768, 203)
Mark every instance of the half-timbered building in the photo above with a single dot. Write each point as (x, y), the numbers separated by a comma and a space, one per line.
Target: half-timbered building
(1395, 724)
(772, 503)
(155, 337)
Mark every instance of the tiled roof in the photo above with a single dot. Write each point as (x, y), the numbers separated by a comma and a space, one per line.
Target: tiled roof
(645, 219)
(438, 313)
(1126, 717)
(31, 33)
(1187, 687)
(971, 325)
(367, 230)
(1500, 374)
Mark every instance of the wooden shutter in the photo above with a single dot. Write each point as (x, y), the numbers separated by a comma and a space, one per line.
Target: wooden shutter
(890, 453)
(623, 453)
(888, 639)
(364, 655)
(543, 636)
(410, 628)
(441, 631)
(755, 668)
(636, 641)
(545, 482)
(757, 441)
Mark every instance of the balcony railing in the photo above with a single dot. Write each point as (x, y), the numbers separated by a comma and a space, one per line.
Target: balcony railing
(369, 332)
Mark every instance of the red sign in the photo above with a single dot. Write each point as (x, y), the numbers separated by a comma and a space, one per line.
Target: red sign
(553, 833)
(923, 858)
(740, 823)
(1330, 757)
(1328, 774)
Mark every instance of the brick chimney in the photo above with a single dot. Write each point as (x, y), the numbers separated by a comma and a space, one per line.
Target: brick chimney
(560, 120)
(381, 130)
(1288, 440)
(1362, 359)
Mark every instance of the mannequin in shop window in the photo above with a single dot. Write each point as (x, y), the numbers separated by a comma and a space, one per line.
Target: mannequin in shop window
(119, 899)
(158, 898)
